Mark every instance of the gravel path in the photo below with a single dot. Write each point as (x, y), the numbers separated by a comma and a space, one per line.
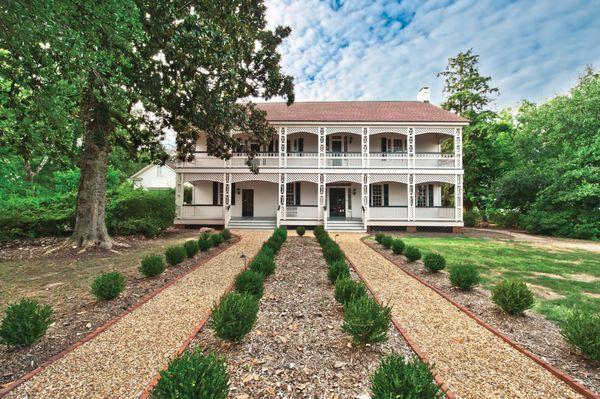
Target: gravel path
(474, 362)
(121, 361)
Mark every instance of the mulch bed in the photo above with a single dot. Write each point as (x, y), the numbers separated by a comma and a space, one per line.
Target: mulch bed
(77, 316)
(531, 330)
(297, 348)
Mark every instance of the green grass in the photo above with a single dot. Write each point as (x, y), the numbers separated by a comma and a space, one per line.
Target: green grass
(498, 259)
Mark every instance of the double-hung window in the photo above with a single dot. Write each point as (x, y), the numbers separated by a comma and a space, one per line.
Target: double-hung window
(376, 195)
(290, 194)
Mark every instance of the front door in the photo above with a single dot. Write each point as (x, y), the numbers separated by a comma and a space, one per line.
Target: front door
(337, 202)
(247, 203)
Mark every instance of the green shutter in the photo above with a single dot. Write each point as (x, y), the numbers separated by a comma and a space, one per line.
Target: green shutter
(386, 195)
(215, 193)
(232, 194)
(297, 193)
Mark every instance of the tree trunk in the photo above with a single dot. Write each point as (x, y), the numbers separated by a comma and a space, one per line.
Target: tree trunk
(28, 173)
(90, 225)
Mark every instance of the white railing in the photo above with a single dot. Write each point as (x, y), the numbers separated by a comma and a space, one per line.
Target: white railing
(434, 160)
(388, 160)
(388, 213)
(343, 160)
(302, 212)
(434, 212)
(268, 159)
(303, 159)
(202, 211)
(278, 216)
(227, 215)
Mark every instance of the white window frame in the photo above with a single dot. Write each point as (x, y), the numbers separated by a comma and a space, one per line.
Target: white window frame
(377, 197)
(290, 193)
(422, 189)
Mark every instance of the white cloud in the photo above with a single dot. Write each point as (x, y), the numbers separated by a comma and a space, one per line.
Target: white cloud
(375, 50)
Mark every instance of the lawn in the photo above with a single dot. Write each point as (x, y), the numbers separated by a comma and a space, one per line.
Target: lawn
(561, 279)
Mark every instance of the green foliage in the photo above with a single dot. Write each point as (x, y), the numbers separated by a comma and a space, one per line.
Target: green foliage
(347, 290)
(464, 276)
(470, 219)
(25, 322)
(191, 248)
(204, 244)
(332, 252)
(216, 239)
(397, 378)
(226, 234)
(514, 297)
(412, 253)
(379, 237)
(300, 230)
(397, 246)
(434, 262)
(175, 254)
(387, 241)
(366, 321)
(250, 282)
(193, 375)
(108, 286)
(264, 264)
(152, 265)
(337, 269)
(235, 316)
(582, 330)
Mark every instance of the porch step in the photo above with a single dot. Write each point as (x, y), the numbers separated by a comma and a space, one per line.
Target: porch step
(252, 223)
(345, 225)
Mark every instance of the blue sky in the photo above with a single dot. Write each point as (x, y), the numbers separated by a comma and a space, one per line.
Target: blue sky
(387, 50)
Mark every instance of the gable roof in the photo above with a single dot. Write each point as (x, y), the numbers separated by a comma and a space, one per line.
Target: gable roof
(169, 164)
(358, 111)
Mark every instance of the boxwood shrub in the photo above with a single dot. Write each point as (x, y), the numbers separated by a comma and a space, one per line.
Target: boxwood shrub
(397, 378)
(582, 330)
(337, 269)
(226, 234)
(366, 321)
(464, 276)
(108, 286)
(332, 252)
(152, 265)
(216, 239)
(175, 254)
(193, 375)
(25, 322)
(514, 297)
(412, 253)
(235, 316)
(204, 244)
(386, 241)
(347, 290)
(379, 237)
(398, 246)
(300, 230)
(434, 262)
(191, 248)
(263, 264)
(250, 282)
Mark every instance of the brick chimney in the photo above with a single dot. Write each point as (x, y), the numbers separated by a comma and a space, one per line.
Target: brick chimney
(424, 94)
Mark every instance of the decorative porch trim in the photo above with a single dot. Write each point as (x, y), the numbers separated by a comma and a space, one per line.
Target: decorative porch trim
(458, 198)
(303, 129)
(268, 177)
(378, 178)
(321, 194)
(322, 134)
(344, 129)
(434, 129)
(388, 129)
(419, 179)
(307, 177)
(187, 177)
(282, 147)
(458, 148)
(340, 177)
(365, 147)
(411, 197)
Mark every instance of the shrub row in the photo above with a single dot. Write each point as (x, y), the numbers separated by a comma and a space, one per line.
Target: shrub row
(365, 320)
(234, 317)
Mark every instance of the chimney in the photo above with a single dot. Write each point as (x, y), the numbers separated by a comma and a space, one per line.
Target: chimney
(424, 94)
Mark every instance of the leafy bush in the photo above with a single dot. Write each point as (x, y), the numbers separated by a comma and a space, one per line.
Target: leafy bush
(300, 230)
(396, 378)
(337, 269)
(250, 282)
(193, 375)
(464, 276)
(147, 212)
(514, 297)
(263, 264)
(152, 265)
(470, 219)
(235, 316)
(379, 237)
(582, 330)
(175, 254)
(412, 253)
(216, 239)
(226, 234)
(398, 246)
(204, 244)
(205, 236)
(366, 321)
(386, 241)
(108, 286)
(434, 262)
(191, 248)
(347, 290)
(25, 322)
(281, 233)
(332, 252)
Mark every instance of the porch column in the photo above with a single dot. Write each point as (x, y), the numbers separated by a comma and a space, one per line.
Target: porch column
(282, 192)
(365, 147)
(411, 147)
(226, 191)
(178, 194)
(411, 197)
(322, 134)
(282, 147)
(458, 148)
(458, 198)
(321, 194)
(365, 198)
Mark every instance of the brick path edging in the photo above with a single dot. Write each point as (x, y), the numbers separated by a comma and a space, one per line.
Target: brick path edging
(15, 384)
(567, 379)
(416, 349)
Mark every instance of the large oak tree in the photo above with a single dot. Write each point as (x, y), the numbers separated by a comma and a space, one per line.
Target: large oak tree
(142, 67)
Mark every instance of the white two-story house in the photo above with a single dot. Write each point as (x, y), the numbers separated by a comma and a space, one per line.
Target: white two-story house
(344, 165)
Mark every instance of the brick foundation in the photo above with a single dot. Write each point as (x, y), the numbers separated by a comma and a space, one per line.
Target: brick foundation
(411, 229)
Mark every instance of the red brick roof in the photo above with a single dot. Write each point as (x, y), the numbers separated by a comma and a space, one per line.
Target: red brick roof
(358, 111)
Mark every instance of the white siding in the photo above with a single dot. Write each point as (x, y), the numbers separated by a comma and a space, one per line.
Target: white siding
(265, 198)
(156, 177)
